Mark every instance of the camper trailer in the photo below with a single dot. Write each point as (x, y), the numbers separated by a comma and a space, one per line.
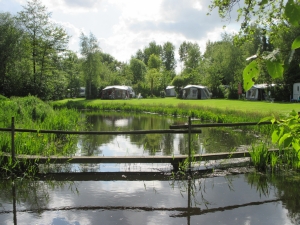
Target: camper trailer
(195, 92)
(170, 91)
(296, 92)
(259, 92)
(117, 92)
(81, 92)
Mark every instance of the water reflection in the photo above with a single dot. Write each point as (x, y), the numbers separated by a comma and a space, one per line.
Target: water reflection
(235, 199)
(211, 140)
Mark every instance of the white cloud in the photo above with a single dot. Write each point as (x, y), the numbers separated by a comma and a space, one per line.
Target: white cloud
(123, 27)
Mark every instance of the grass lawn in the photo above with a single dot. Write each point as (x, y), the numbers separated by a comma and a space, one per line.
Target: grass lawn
(223, 104)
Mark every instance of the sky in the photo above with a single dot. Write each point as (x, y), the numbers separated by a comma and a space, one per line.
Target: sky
(122, 27)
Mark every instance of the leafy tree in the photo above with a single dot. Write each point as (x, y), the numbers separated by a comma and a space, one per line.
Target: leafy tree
(138, 69)
(152, 78)
(178, 82)
(154, 62)
(92, 64)
(71, 67)
(168, 57)
(10, 44)
(44, 36)
(45, 39)
(152, 48)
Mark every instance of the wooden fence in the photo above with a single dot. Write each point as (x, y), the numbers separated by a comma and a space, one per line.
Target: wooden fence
(174, 160)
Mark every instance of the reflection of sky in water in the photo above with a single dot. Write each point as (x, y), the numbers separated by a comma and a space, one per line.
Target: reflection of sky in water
(157, 202)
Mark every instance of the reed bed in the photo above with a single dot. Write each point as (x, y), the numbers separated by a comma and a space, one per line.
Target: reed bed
(32, 113)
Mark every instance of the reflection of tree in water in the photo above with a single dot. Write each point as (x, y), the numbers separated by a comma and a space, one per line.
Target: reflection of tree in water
(196, 144)
(152, 143)
(223, 139)
(33, 194)
(287, 190)
(167, 143)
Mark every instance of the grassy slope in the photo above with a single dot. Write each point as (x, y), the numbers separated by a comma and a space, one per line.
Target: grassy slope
(224, 104)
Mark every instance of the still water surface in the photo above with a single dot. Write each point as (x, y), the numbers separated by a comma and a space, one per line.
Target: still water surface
(249, 198)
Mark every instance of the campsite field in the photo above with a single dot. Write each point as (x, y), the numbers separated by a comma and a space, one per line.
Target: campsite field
(222, 104)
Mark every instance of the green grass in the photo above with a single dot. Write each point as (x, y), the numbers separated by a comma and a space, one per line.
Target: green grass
(261, 107)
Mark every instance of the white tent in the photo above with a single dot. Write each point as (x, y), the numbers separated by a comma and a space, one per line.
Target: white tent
(170, 91)
(117, 92)
(259, 92)
(195, 92)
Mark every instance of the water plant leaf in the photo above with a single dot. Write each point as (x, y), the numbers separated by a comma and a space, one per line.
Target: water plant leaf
(275, 69)
(250, 74)
(296, 43)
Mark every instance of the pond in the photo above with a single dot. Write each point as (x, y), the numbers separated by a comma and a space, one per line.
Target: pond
(249, 198)
(211, 140)
(152, 194)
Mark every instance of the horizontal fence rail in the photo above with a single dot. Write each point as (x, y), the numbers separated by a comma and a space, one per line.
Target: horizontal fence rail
(175, 160)
(185, 126)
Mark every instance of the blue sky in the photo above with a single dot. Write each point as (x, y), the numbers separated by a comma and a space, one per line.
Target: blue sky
(124, 26)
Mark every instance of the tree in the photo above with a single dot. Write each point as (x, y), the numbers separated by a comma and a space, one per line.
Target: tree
(71, 66)
(152, 78)
(152, 48)
(168, 57)
(10, 43)
(190, 56)
(45, 39)
(138, 69)
(90, 50)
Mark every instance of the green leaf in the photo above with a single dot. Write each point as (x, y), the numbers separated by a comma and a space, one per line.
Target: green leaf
(292, 12)
(296, 43)
(263, 2)
(275, 69)
(268, 118)
(276, 135)
(250, 74)
(286, 140)
(296, 145)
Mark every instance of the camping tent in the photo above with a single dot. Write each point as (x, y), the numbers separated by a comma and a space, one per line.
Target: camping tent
(259, 92)
(117, 92)
(170, 91)
(195, 92)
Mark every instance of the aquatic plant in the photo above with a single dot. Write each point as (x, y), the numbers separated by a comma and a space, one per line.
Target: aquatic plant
(32, 113)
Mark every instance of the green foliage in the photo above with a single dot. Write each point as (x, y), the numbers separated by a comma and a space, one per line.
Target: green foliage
(260, 156)
(32, 113)
(250, 74)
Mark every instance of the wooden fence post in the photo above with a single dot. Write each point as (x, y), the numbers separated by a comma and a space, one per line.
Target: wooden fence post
(189, 144)
(13, 138)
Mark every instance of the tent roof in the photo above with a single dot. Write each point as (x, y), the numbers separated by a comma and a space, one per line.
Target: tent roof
(195, 86)
(263, 86)
(170, 87)
(116, 87)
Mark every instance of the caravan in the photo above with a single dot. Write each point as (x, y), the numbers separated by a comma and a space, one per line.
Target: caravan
(296, 92)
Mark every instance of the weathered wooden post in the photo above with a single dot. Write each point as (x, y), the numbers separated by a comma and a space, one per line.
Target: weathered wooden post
(13, 138)
(189, 144)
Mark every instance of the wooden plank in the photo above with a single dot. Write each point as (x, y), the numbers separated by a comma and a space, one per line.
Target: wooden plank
(166, 131)
(132, 159)
(185, 126)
